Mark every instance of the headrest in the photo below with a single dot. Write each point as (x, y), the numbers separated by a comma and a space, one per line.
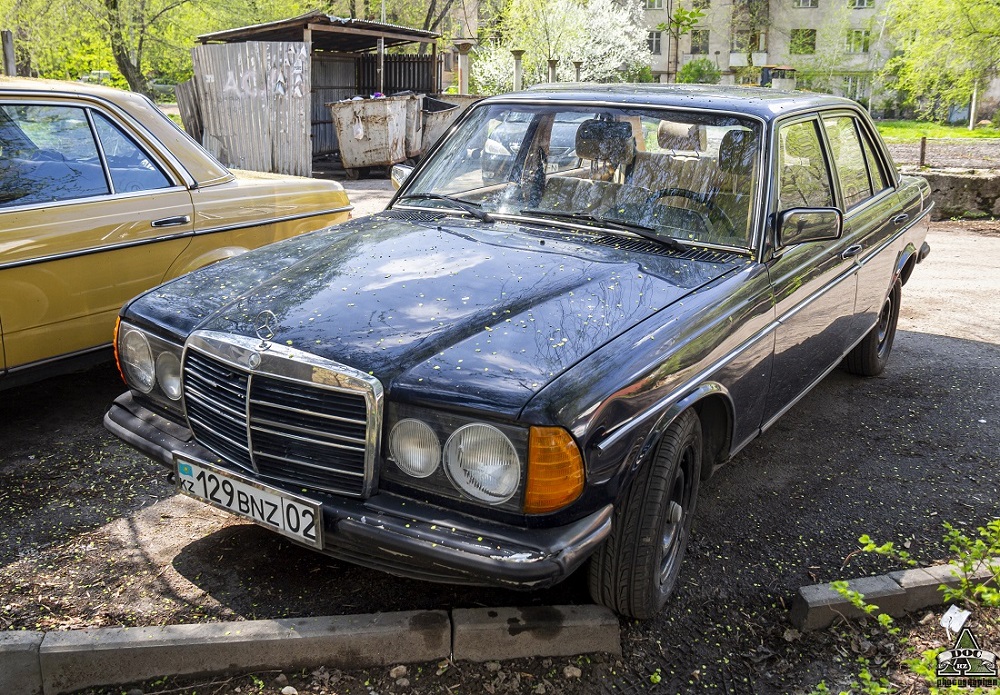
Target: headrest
(736, 152)
(609, 141)
(681, 136)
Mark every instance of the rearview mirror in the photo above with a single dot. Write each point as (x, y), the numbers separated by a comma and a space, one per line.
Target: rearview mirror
(800, 225)
(399, 174)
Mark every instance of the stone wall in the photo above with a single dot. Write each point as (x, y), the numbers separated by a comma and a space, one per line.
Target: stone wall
(965, 193)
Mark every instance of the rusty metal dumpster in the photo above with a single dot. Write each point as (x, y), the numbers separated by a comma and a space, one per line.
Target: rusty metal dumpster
(370, 132)
(437, 118)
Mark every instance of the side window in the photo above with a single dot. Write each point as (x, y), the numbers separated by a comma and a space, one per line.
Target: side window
(851, 166)
(879, 182)
(803, 177)
(47, 154)
(131, 169)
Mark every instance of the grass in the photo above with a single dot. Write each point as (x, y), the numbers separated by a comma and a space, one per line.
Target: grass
(912, 131)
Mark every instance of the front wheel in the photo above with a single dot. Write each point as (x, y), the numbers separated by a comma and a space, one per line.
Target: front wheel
(871, 355)
(635, 569)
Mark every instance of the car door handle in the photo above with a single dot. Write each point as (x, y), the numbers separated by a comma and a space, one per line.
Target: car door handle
(852, 251)
(900, 218)
(172, 221)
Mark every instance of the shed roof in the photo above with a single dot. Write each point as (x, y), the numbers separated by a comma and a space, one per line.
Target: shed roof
(328, 33)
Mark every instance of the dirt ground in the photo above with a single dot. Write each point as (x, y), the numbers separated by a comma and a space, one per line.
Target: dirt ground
(91, 534)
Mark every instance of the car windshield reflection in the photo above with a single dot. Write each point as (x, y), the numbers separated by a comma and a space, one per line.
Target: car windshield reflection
(681, 175)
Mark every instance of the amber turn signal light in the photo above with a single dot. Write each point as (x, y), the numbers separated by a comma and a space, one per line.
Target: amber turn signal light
(555, 470)
(118, 362)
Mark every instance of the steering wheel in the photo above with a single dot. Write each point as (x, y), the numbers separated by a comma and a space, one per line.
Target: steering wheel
(706, 202)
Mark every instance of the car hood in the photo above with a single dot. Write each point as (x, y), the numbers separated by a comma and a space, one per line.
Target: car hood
(481, 315)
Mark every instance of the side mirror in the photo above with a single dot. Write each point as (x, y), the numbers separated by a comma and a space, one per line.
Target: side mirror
(800, 225)
(399, 174)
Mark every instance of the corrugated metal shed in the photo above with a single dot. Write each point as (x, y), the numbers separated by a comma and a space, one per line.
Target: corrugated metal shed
(255, 117)
(326, 32)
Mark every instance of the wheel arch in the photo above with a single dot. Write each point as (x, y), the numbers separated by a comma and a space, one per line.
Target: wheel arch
(714, 406)
(905, 263)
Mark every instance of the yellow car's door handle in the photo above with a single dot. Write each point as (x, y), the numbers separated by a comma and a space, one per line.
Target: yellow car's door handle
(172, 221)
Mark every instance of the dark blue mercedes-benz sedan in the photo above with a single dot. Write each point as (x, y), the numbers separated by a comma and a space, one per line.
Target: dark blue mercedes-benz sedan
(532, 358)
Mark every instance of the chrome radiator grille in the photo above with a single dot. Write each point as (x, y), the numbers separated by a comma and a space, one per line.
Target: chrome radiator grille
(314, 435)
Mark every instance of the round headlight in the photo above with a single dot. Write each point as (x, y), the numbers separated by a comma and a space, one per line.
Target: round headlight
(415, 448)
(168, 374)
(482, 462)
(137, 361)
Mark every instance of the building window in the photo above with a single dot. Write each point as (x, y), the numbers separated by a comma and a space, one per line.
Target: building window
(811, 4)
(700, 4)
(856, 87)
(654, 4)
(858, 40)
(699, 41)
(653, 39)
(862, 4)
(803, 42)
(744, 41)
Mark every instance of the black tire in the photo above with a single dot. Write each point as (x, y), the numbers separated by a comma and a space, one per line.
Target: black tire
(635, 569)
(871, 355)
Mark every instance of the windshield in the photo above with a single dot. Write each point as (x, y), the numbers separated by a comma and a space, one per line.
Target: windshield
(672, 174)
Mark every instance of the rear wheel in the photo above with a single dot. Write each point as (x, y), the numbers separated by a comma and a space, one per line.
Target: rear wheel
(871, 355)
(635, 569)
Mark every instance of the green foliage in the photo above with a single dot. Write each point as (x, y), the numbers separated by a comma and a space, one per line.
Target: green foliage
(681, 22)
(944, 49)
(973, 553)
(970, 552)
(912, 131)
(699, 71)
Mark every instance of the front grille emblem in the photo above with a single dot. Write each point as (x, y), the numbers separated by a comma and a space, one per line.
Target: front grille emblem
(264, 327)
(254, 360)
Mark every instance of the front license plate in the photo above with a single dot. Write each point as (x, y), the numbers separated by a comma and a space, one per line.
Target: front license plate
(291, 515)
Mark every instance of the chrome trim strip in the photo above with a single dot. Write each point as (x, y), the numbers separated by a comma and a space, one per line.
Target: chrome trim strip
(152, 240)
(297, 366)
(852, 270)
(676, 394)
(256, 425)
(274, 220)
(92, 199)
(813, 383)
(289, 409)
(213, 401)
(219, 435)
(306, 464)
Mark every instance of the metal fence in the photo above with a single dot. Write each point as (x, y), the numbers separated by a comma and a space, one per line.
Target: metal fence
(402, 73)
(256, 104)
(333, 79)
(964, 153)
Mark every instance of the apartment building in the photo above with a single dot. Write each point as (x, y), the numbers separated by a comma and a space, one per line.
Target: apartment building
(834, 45)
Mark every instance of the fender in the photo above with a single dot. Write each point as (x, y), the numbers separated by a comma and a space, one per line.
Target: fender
(692, 399)
(213, 256)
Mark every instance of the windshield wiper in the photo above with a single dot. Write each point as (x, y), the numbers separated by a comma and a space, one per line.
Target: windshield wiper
(457, 202)
(637, 229)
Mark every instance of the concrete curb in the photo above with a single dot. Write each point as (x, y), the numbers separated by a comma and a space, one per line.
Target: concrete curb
(37, 663)
(897, 593)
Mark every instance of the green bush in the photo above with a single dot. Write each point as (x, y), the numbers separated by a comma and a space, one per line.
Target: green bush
(699, 71)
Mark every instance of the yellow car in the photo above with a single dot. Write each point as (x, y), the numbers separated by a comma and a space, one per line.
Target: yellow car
(103, 197)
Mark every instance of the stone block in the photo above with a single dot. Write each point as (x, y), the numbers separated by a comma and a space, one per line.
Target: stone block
(485, 634)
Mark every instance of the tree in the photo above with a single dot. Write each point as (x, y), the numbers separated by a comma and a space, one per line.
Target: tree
(679, 23)
(946, 48)
(699, 71)
(607, 36)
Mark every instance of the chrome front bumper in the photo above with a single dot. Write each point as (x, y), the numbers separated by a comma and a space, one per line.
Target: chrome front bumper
(399, 535)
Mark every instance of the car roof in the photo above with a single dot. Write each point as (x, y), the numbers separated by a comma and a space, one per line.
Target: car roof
(762, 102)
(198, 164)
